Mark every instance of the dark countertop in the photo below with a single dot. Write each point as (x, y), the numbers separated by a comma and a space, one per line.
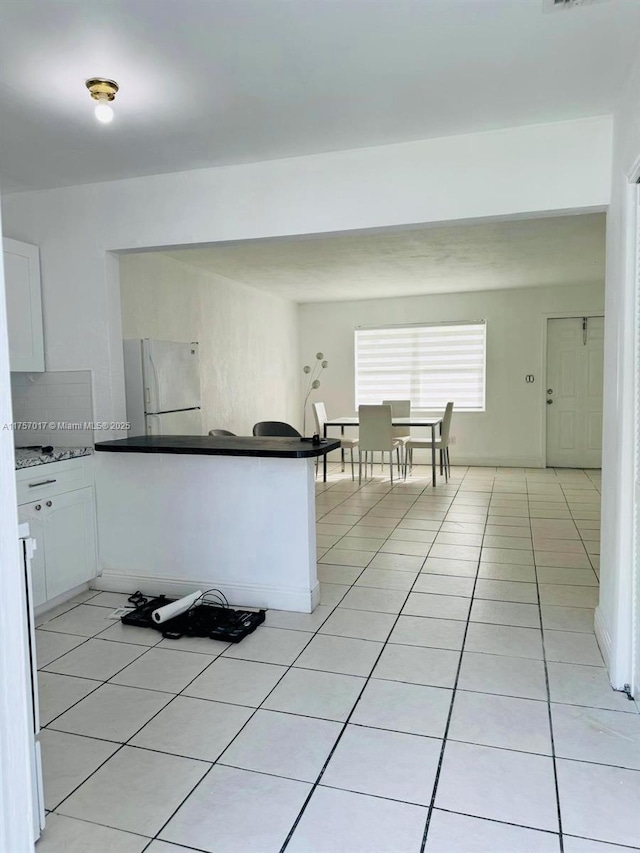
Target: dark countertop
(26, 457)
(209, 445)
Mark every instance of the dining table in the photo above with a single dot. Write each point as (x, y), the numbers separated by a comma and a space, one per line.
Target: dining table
(429, 421)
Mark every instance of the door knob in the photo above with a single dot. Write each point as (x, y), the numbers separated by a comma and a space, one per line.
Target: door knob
(549, 402)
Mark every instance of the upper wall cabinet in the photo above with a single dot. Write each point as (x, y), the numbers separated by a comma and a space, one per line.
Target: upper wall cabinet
(24, 306)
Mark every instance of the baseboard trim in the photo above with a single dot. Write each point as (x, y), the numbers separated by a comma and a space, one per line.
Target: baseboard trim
(44, 608)
(464, 461)
(603, 637)
(238, 594)
(491, 462)
(423, 457)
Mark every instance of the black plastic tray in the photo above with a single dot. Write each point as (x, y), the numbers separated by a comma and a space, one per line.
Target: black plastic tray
(203, 620)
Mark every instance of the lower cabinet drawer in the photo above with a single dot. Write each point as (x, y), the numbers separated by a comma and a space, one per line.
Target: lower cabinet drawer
(43, 481)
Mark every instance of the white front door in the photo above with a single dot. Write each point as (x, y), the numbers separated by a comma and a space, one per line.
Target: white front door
(574, 392)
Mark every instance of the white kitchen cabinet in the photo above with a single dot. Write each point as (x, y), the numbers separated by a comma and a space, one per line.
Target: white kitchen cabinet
(24, 306)
(60, 513)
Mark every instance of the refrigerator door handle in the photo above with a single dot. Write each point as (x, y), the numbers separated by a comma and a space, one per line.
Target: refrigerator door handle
(153, 381)
(153, 425)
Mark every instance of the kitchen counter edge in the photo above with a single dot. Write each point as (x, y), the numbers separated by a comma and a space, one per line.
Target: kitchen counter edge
(204, 445)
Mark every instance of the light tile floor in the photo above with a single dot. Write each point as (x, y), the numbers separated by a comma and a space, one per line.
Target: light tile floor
(448, 694)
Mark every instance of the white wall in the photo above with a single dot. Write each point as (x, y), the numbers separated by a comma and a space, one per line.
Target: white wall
(511, 430)
(513, 172)
(614, 615)
(248, 338)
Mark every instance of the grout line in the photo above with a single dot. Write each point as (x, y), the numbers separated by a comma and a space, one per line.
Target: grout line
(120, 745)
(137, 835)
(46, 621)
(450, 714)
(368, 679)
(125, 743)
(548, 690)
(53, 719)
(215, 763)
(80, 784)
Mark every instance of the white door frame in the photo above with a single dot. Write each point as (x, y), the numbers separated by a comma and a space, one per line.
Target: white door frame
(634, 201)
(554, 315)
(16, 809)
(621, 652)
(616, 639)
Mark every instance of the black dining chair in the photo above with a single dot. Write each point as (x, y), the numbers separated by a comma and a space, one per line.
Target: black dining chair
(220, 432)
(275, 428)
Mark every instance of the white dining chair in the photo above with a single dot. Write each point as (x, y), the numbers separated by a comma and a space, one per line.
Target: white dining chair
(376, 435)
(400, 409)
(320, 416)
(441, 444)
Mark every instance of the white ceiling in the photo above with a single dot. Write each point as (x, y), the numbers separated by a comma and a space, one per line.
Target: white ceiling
(211, 82)
(552, 251)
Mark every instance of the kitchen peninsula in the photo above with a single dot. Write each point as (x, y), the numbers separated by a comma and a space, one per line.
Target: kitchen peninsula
(180, 513)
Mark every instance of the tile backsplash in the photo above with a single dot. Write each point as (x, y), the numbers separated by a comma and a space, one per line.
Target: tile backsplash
(59, 402)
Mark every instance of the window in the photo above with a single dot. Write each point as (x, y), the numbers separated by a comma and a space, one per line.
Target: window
(427, 364)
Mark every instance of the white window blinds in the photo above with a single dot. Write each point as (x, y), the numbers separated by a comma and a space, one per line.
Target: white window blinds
(427, 364)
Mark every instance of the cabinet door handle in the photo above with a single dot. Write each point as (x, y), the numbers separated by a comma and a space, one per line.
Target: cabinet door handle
(49, 503)
(41, 483)
(38, 507)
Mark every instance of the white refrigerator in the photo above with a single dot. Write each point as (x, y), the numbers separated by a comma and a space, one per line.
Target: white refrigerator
(162, 384)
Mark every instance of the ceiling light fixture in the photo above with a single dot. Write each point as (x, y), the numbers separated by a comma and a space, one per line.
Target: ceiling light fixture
(103, 91)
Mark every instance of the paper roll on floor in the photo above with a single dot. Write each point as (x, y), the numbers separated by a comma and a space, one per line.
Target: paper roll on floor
(169, 611)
